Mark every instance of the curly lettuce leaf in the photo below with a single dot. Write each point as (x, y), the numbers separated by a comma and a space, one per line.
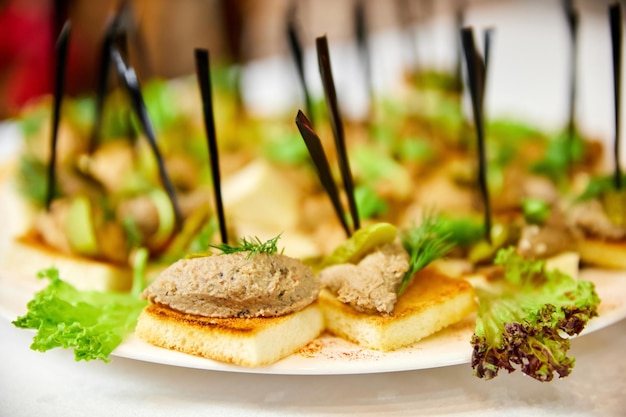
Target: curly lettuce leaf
(527, 320)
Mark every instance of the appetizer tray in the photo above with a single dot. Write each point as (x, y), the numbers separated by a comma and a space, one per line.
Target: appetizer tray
(330, 355)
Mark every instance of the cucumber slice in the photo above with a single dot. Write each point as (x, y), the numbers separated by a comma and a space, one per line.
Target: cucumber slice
(360, 243)
(614, 203)
(501, 235)
(166, 215)
(79, 227)
(192, 226)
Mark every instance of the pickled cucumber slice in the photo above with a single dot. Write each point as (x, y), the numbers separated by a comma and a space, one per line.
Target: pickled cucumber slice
(360, 243)
(79, 227)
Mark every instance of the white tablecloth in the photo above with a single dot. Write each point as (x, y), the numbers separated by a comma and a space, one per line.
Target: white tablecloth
(53, 384)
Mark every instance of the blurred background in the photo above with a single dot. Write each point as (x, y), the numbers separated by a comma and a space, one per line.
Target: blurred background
(530, 59)
(163, 34)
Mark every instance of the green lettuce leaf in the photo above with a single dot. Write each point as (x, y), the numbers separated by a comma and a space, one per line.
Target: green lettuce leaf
(526, 322)
(92, 323)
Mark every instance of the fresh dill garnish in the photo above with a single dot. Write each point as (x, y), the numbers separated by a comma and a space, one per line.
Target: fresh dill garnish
(133, 234)
(597, 187)
(31, 180)
(424, 243)
(254, 246)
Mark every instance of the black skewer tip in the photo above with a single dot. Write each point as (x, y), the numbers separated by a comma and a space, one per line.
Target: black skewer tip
(298, 56)
(360, 26)
(476, 81)
(112, 32)
(488, 42)
(204, 81)
(615, 20)
(62, 46)
(330, 94)
(459, 20)
(129, 79)
(572, 20)
(314, 146)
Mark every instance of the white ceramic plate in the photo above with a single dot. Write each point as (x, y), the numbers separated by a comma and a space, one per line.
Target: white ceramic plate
(330, 355)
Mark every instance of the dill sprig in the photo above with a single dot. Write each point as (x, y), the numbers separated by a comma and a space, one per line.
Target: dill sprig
(254, 246)
(424, 243)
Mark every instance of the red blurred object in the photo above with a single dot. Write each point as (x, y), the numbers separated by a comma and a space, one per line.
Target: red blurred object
(27, 55)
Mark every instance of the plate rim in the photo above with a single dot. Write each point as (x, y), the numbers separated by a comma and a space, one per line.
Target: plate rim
(16, 287)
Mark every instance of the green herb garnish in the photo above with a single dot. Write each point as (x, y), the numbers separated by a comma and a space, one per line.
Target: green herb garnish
(254, 246)
(462, 231)
(31, 180)
(373, 164)
(370, 204)
(597, 187)
(132, 232)
(536, 210)
(416, 149)
(613, 200)
(424, 243)
(286, 148)
(561, 151)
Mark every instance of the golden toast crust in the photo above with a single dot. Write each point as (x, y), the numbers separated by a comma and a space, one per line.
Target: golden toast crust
(603, 253)
(432, 302)
(250, 342)
(232, 325)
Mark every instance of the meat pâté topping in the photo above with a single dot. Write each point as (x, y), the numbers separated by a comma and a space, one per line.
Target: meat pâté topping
(371, 286)
(235, 285)
(590, 219)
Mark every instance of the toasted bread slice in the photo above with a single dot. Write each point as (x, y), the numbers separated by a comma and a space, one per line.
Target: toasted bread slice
(250, 342)
(602, 253)
(27, 255)
(432, 302)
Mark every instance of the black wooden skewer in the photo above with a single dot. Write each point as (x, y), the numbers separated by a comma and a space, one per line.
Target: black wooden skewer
(111, 34)
(476, 80)
(129, 79)
(204, 80)
(59, 88)
(403, 17)
(615, 19)
(360, 26)
(59, 17)
(233, 18)
(571, 16)
(138, 39)
(298, 57)
(314, 145)
(323, 56)
(103, 85)
(487, 42)
(459, 20)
